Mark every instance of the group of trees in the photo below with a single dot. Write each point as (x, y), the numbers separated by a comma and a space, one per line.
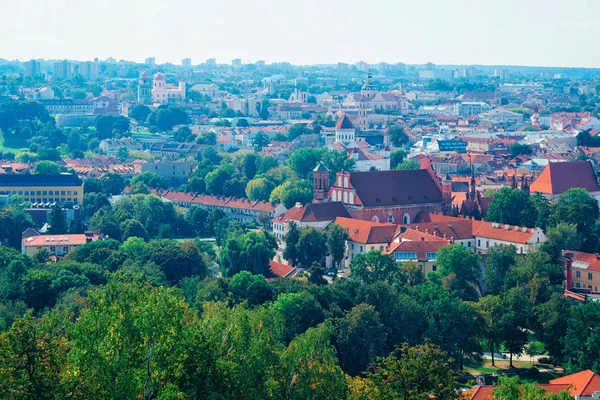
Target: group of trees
(561, 220)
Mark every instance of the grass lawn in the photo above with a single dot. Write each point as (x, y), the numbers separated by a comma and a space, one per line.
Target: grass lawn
(12, 149)
(547, 372)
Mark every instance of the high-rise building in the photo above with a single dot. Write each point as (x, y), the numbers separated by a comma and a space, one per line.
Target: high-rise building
(151, 61)
(63, 70)
(342, 67)
(236, 62)
(211, 61)
(363, 66)
(186, 63)
(503, 74)
(260, 63)
(32, 68)
(111, 60)
(90, 70)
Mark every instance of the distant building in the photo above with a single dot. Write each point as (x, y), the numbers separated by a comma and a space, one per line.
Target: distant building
(240, 210)
(559, 177)
(32, 68)
(209, 89)
(57, 245)
(583, 271)
(388, 196)
(144, 94)
(468, 108)
(63, 70)
(163, 93)
(69, 106)
(186, 63)
(175, 150)
(64, 188)
(236, 62)
(174, 173)
(111, 147)
(151, 61)
(315, 215)
(364, 236)
(90, 70)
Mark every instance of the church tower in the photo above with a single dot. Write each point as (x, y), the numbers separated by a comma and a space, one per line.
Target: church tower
(345, 132)
(144, 89)
(369, 89)
(320, 183)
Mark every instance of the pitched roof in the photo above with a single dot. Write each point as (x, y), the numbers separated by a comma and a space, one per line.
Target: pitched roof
(58, 240)
(420, 248)
(558, 177)
(583, 383)
(486, 392)
(587, 261)
(389, 188)
(459, 230)
(314, 212)
(367, 232)
(279, 270)
(320, 168)
(228, 202)
(344, 123)
(513, 234)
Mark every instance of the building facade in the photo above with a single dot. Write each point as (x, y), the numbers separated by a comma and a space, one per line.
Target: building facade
(64, 188)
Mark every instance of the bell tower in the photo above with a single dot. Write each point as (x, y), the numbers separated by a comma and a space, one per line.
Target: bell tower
(320, 183)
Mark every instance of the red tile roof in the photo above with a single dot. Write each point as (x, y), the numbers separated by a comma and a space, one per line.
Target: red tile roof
(344, 123)
(558, 177)
(487, 392)
(421, 248)
(459, 230)
(584, 383)
(391, 188)
(367, 232)
(280, 270)
(228, 202)
(314, 212)
(496, 231)
(58, 240)
(582, 260)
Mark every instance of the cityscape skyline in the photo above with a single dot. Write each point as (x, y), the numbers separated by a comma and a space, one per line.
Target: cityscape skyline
(461, 32)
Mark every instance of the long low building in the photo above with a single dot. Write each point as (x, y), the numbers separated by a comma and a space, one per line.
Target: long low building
(57, 245)
(63, 188)
(241, 210)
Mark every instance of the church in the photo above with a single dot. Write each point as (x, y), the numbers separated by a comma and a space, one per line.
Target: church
(381, 196)
(365, 157)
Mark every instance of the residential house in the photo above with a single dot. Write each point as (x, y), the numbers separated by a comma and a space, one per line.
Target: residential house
(582, 270)
(364, 236)
(241, 210)
(111, 147)
(315, 215)
(57, 245)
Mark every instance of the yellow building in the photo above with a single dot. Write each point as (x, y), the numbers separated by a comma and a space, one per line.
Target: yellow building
(63, 188)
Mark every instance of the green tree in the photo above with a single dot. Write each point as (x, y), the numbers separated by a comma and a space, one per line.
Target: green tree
(460, 269)
(300, 311)
(139, 112)
(336, 243)
(512, 388)
(397, 136)
(291, 239)
(415, 373)
(582, 341)
(304, 160)
(512, 207)
(409, 164)
(291, 192)
(259, 189)
(570, 207)
(252, 288)
(251, 251)
(361, 338)
(57, 221)
(309, 368)
(150, 179)
(500, 259)
(517, 149)
(397, 157)
(312, 246)
(47, 168)
(374, 266)
(133, 228)
(260, 140)
(553, 322)
(514, 321)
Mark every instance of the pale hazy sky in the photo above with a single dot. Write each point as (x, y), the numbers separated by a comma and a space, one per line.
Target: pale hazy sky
(509, 32)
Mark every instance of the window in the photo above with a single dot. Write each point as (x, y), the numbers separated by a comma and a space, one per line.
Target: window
(361, 249)
(469, 244)
(27, 193)
(405, 256)
(478, 243)
(44, 193)
(590, 277)
(487, 244)
(39, 193)
(53, 250)
(65, 249)
(577, 284)
(434, 268)
(62, 192)
(51, 192)
(431, 256)
(578, 274)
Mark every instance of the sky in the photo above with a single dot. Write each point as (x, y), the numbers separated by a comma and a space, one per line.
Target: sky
(487, 32)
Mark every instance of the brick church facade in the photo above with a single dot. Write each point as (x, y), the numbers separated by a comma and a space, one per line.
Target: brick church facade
(382, 196)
